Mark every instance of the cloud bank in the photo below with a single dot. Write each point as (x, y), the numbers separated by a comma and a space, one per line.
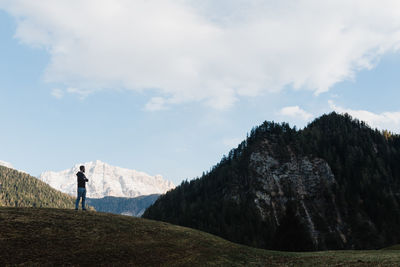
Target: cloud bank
(205, 51)
(383, 121)
(295, 112)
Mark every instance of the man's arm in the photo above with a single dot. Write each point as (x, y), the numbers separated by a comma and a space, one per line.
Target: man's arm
(82, 177)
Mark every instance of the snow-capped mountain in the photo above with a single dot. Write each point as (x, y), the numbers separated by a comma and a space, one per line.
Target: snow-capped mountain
(107, 180)
(6, 164)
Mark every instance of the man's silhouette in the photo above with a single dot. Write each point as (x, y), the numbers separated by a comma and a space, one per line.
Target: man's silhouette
(81, 187)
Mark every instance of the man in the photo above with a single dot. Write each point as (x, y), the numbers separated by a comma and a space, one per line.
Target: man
(81, 187)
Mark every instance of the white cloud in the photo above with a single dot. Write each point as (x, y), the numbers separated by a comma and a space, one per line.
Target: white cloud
(57, 93)
(82, 93)
(156, 104)
(209, 51)
(384, 121)
(295, 112)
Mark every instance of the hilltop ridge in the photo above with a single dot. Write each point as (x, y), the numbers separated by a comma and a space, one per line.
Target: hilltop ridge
(19, 189)
(333, 185)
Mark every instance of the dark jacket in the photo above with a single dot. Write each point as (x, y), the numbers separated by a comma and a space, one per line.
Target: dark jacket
(82, 179)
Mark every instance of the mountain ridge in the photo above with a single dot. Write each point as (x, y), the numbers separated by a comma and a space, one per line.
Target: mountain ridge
(333, 185)
(106, 180)
(121, 205)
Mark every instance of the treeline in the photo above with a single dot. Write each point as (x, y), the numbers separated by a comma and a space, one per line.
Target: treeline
(19, 189)
(365, 163)
(366, 166)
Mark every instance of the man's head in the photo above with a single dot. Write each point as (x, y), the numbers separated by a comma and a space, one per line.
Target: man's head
(82, 168)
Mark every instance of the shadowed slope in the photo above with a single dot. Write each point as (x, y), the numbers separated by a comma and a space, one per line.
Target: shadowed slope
(64, 237)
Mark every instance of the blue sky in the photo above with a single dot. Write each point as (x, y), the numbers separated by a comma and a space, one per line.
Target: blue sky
(168, 87)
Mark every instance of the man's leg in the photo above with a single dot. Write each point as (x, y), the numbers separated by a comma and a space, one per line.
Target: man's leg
(77, 199)
(83, 198)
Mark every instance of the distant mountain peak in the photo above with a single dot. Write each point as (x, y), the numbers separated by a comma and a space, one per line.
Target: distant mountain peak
(108, 180)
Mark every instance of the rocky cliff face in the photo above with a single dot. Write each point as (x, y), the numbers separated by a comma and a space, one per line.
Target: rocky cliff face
(307, 182)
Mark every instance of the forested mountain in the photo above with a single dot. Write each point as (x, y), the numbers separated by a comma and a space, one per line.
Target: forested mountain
(123, 205)
(18, 189)
(333, 185)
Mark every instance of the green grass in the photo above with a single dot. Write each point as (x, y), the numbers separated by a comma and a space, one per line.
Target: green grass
(57, 237)
(395, 247)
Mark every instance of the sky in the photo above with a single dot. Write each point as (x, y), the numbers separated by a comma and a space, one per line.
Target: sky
(170, 86)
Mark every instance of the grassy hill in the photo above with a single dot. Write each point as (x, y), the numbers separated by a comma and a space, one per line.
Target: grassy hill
(19, 189)
(395, 247)
(38, 236)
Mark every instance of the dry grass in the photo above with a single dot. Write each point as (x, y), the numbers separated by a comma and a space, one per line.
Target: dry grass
(58, 237)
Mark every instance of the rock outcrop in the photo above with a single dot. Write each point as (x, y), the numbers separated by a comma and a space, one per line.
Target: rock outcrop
(306, 182)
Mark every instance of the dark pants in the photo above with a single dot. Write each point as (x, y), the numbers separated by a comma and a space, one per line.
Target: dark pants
(81, 194)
